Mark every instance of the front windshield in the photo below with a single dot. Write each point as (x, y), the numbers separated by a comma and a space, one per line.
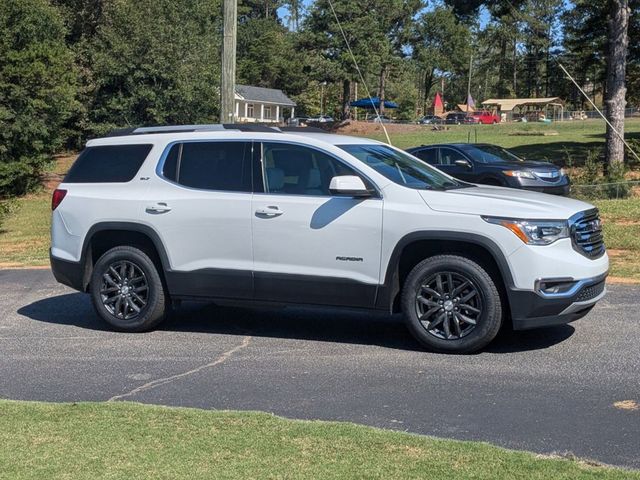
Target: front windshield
(491, 154)
(402, 168)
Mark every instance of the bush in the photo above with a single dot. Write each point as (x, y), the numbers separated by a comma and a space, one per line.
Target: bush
(37, 91)
(7, 207)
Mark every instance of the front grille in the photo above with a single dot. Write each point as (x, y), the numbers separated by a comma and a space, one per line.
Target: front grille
(590, 292)
(551, 176)
(586, 234)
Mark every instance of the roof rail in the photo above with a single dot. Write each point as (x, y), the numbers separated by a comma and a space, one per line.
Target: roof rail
(214, 127)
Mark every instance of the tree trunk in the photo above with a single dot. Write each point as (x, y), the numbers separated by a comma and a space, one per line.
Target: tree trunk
(381, 87)
(515, 66)
(428, 83)
(346, 99)
(502, 68)
(616, 89)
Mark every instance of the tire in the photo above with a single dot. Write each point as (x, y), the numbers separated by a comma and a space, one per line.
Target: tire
(130, 300)
(423, 295)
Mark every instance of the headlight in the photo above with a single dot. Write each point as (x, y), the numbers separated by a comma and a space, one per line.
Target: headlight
(534, 232)
(518, 173)
(563, 172)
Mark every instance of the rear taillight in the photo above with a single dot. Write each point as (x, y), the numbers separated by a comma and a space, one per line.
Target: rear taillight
(58, 196)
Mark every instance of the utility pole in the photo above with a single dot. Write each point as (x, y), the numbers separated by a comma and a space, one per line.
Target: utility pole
(469, 83)
(228, 80)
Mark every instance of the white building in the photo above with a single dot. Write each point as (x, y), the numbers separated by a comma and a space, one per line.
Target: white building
(257, 104)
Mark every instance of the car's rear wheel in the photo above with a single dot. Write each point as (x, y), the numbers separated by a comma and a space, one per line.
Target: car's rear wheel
(451, 304)
(127, 291)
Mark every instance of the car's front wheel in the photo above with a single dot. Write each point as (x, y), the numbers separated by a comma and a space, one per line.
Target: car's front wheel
(127, 291)
(451, 304)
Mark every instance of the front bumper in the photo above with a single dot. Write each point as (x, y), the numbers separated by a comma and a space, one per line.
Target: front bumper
(561, 187)
(552, 190)
(534, 309)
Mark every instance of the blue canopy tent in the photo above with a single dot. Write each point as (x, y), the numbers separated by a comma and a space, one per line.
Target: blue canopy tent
(373, 102)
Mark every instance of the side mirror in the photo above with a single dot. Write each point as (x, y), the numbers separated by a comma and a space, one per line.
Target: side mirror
(348, 186)
(463, 163)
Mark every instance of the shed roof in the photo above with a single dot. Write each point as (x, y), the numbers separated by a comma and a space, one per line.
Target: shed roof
(265, 95)
(508, 104)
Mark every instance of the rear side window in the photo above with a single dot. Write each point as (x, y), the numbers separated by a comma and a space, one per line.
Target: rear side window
(222, 166)
(108, 164)
(429, 155)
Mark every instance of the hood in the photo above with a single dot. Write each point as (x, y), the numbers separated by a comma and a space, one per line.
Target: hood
(503, 202)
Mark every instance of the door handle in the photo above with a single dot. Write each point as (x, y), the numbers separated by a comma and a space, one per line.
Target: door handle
(159, 207)
(270, 211)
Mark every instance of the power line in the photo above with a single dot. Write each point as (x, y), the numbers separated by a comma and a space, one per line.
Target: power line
(355, 62)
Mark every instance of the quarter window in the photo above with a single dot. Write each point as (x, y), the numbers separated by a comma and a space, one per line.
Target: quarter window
(108, 164)
(298, 170)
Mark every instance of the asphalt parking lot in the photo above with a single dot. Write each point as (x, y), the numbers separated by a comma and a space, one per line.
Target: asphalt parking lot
(572, 388)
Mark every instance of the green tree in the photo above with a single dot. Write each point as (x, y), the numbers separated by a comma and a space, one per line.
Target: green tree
(37, 91)
(267, 56)
(154, 62)
(377, 32)
(441, 48)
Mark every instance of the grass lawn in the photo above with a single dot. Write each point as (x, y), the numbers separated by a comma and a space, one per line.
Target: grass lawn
(577, 137)
(134, 441)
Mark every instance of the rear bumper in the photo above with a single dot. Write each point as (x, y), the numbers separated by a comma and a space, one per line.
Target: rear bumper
(530, 309)
(68, 273)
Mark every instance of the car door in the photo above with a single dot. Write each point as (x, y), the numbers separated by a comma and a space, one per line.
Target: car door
(447, 163)
(308, 245)
(200, 206)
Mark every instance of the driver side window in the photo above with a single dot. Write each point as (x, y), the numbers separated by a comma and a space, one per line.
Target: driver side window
(299, 170)
(448, 156)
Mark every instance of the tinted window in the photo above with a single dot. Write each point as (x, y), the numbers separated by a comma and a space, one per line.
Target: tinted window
(300, 170)
(215, 166)
(401, 168)
(448, 156)
(108, 164)
(170, 167)
(429, 155)
(491, 154)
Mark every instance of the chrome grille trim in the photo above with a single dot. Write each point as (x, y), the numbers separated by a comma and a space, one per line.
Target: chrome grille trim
(586, 234)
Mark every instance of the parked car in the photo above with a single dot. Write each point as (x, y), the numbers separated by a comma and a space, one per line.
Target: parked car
(148, 217)
(379, 119)
(486, 118)
(430, 120)
(457, 118)
(297, 121)
(320, 119)
(493, 165)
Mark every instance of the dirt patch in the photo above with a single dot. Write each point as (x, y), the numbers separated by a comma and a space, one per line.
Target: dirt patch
(626, 222)
(51, 180)
(611, 280)
(20, 266)
(367, 128)
(627, 405)
(617, 252)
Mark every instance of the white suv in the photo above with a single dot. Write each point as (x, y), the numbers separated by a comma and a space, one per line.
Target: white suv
(148, 217)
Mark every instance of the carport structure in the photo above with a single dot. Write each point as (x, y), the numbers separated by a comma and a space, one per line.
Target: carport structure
(517, 108)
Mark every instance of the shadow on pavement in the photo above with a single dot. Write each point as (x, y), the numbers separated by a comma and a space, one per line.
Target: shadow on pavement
(325, 325)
